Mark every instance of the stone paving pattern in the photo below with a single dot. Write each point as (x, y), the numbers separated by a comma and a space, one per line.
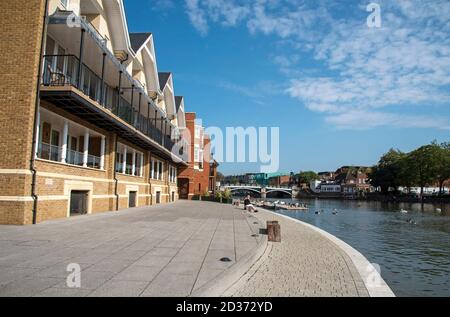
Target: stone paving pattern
(304, 264)
(167, 250)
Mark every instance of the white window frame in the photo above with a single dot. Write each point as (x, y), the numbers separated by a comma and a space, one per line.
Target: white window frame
(65, 3)
(156, 172)
(140, 163)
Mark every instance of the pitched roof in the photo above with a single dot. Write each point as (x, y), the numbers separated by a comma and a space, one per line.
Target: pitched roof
(138, 40)
(178, 101)
(163, 79)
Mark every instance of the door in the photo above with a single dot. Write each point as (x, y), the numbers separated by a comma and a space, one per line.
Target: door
(173, 196)
(78, 203)
(183, 185)
(158, 197)
(132, 199)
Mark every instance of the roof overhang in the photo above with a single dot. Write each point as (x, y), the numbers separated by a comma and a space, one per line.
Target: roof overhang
(70, 100)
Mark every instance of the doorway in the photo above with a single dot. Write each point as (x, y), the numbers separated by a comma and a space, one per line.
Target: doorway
(78, 203)
(183, 185)
(132, 200)
(158, 197)
(173, 196)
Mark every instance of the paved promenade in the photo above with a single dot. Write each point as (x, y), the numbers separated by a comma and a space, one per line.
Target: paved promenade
(167, 250)
(305, 263)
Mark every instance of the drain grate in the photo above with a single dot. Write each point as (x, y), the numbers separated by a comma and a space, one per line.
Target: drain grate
(225, 260)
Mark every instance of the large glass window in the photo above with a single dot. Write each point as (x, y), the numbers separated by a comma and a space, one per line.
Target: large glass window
(157, 170)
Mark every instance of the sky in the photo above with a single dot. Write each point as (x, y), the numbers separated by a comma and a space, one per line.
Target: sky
(341, 92)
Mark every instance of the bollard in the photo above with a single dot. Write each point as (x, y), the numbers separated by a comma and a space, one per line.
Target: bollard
(274, 231)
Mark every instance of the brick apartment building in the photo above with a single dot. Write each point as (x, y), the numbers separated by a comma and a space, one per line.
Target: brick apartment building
(88, 122)
(282, 180)
(199, 177)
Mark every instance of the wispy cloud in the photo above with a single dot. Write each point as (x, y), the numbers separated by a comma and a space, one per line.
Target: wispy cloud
(225, 12)
(381, 75)
(257, 93)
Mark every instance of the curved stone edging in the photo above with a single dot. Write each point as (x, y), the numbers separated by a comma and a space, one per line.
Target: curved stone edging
(363, 266)
(219, 285)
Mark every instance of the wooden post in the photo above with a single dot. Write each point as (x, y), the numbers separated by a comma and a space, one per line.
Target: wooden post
(274, 231)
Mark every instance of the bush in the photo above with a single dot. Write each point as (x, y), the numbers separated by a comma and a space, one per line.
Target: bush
(227, 194)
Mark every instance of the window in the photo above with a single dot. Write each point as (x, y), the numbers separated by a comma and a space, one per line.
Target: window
(119, 162)
(152, 169)
(65, 3)
(196, 154)
(200, 160)
(161, 171)
(172, 174)
(157, 169)
(129, 159)
(197, 132)
(139, 162)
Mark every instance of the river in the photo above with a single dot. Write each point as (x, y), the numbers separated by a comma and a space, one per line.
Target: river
(413, 250)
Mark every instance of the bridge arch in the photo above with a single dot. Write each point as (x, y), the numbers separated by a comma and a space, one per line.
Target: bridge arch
(280, 191)
(254, 190)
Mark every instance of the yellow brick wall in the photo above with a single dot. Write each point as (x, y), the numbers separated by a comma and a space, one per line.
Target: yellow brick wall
(21, 34)
(22, 24)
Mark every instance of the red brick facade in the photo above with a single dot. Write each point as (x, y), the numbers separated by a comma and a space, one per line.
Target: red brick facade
(195, 179)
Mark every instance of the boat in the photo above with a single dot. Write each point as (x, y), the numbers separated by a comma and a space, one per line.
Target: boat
(403, 211)
(292, 207)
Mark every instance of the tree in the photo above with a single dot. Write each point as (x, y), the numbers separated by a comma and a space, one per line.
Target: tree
(390, 171)
(423, 165)
(443, 173)
(307, 177)
(220, 177)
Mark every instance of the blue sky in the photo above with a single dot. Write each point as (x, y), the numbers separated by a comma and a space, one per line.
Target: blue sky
(341, 92)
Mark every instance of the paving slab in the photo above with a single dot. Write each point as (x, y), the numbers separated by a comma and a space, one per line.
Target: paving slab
(165, 250)
(307, 263)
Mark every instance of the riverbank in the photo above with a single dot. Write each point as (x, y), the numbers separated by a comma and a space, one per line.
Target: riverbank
(308, 262)
(379, 198)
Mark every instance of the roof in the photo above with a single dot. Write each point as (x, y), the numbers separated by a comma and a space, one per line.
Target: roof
(178, 101)
(138, 40)
(163, 79)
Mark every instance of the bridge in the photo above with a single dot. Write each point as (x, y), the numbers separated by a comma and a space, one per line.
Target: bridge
(263, 191)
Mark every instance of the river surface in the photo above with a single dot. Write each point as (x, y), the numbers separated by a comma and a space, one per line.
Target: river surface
(413, 250)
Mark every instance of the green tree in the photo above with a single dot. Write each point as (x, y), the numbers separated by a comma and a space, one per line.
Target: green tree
(307, 177)
(390, 171)
(227, 194)
(220, 177)
(443, 172)
(423, 165)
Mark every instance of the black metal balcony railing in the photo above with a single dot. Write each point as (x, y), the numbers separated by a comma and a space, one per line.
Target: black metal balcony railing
(61, 70)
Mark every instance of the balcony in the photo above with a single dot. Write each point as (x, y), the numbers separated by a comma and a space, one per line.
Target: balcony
(96, 87)
(66, 142)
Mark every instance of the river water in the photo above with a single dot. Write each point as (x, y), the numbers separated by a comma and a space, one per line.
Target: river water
(413, 250)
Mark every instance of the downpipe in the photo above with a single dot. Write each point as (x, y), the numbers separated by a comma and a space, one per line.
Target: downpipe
(37, 105)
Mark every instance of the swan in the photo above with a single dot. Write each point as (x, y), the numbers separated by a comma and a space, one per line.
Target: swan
(403, 211)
